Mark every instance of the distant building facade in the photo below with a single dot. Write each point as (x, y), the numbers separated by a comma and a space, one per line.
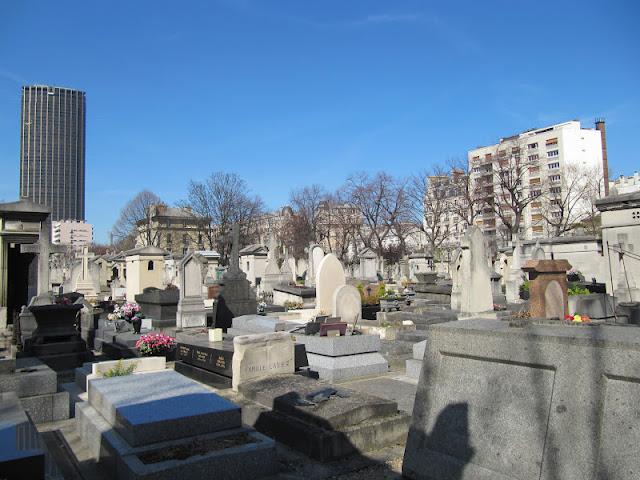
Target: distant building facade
(176, 230)
(546, 154)
(74, 233)
(52, 150)
(625, 184)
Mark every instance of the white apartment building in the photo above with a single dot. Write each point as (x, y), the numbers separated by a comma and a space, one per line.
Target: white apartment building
(625, 184)
(544, 156)
(72, 232)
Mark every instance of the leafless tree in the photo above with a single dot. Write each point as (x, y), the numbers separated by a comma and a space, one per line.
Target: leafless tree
(338, 225)
(135, 220)
(566, 200)
(430, 195)
(508, 184)
(220, 201)
(594, 191)
(379, 200)
(470, 199)
(306, 204)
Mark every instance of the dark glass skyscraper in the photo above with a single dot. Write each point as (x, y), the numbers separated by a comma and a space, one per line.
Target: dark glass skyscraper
(52, 149)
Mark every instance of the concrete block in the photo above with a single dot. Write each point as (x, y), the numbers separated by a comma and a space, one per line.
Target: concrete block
(32, 377)
(543, 402)
(413, 368)
(339, 346)
(348, 366)
(160, 406)
(22, 454)
(50, 407)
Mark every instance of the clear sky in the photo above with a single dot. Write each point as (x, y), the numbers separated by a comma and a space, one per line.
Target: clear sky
(289, 93)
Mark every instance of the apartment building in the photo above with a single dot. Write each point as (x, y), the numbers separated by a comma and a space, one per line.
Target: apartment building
(535, 165)
(74, 233)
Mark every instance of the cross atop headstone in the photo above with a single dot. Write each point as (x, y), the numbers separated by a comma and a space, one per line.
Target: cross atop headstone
(85, 257)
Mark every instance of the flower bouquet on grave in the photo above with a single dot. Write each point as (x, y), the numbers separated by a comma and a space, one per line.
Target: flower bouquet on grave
(132, 313)
(577, 319)
(155, 344)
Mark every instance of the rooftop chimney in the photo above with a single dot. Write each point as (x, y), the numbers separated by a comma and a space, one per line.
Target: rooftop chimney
(605, 163)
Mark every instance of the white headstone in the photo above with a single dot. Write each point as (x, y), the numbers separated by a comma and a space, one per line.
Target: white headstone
(515, 276)
(329, 277)
(191, 310)
(261, 355)
(538, 252)
(473, 277)
(347, 304)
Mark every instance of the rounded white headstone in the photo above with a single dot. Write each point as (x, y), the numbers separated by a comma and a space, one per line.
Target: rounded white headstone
(347, 303)
(329, 276)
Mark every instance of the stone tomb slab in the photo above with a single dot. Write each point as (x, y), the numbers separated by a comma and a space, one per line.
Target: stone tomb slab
(328, 430)
(542, 402)
(21, 455)
(160, 406)
(339, 346)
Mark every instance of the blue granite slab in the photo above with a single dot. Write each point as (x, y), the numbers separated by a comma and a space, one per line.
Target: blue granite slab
(153, 407)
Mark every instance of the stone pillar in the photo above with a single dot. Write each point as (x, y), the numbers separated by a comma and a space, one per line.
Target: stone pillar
(548, 288)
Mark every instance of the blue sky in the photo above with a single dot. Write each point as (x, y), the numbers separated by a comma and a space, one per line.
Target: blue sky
(289, 93)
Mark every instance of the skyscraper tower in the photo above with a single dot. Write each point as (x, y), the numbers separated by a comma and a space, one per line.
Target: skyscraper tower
(52, 145)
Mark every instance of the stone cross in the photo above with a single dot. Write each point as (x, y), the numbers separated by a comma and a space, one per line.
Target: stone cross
(85, 257)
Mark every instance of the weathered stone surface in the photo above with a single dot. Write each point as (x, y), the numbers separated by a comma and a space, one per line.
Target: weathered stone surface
(329, 277)
(572, 392)
(338, 346)
(21, 455)
(471, 290)
(160, 406)
(327, 430)
(258, 324)
(347, 304)
(32, 377)
(348, 366)
(262, 355)
(548, 288)
(49, 407)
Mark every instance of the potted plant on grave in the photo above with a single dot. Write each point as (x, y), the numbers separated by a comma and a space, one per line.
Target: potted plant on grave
(156, 345)
(130, 312)
(370, 302)
(524, 290)
(389, 300)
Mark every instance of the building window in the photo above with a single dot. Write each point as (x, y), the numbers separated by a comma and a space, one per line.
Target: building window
(150, 265)
(554, 178)
(552, 141)
(531, 146)
(552, 153)
(555, 189)
(554, 165)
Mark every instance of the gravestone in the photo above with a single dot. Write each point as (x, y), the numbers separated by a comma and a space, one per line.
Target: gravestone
(191, 310)
(161, 306)
(329, 277)
(538, 252)
(316, 254)
(85, 283)
(261, 355)
(368, 265)
(515, 276)
(272, 275)
(548, 288)
(175, 429)
(347, 304)
(472, 284)
(543, 403)
(239, 297)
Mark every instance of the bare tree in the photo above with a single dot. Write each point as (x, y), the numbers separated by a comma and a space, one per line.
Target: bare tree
(594, 191)
(508, 184)
(135, 220)
(219, 202)
(470, 199)
(306, 204)
(379, 199)
(566, 200)
(338, 225)
(430, 195)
